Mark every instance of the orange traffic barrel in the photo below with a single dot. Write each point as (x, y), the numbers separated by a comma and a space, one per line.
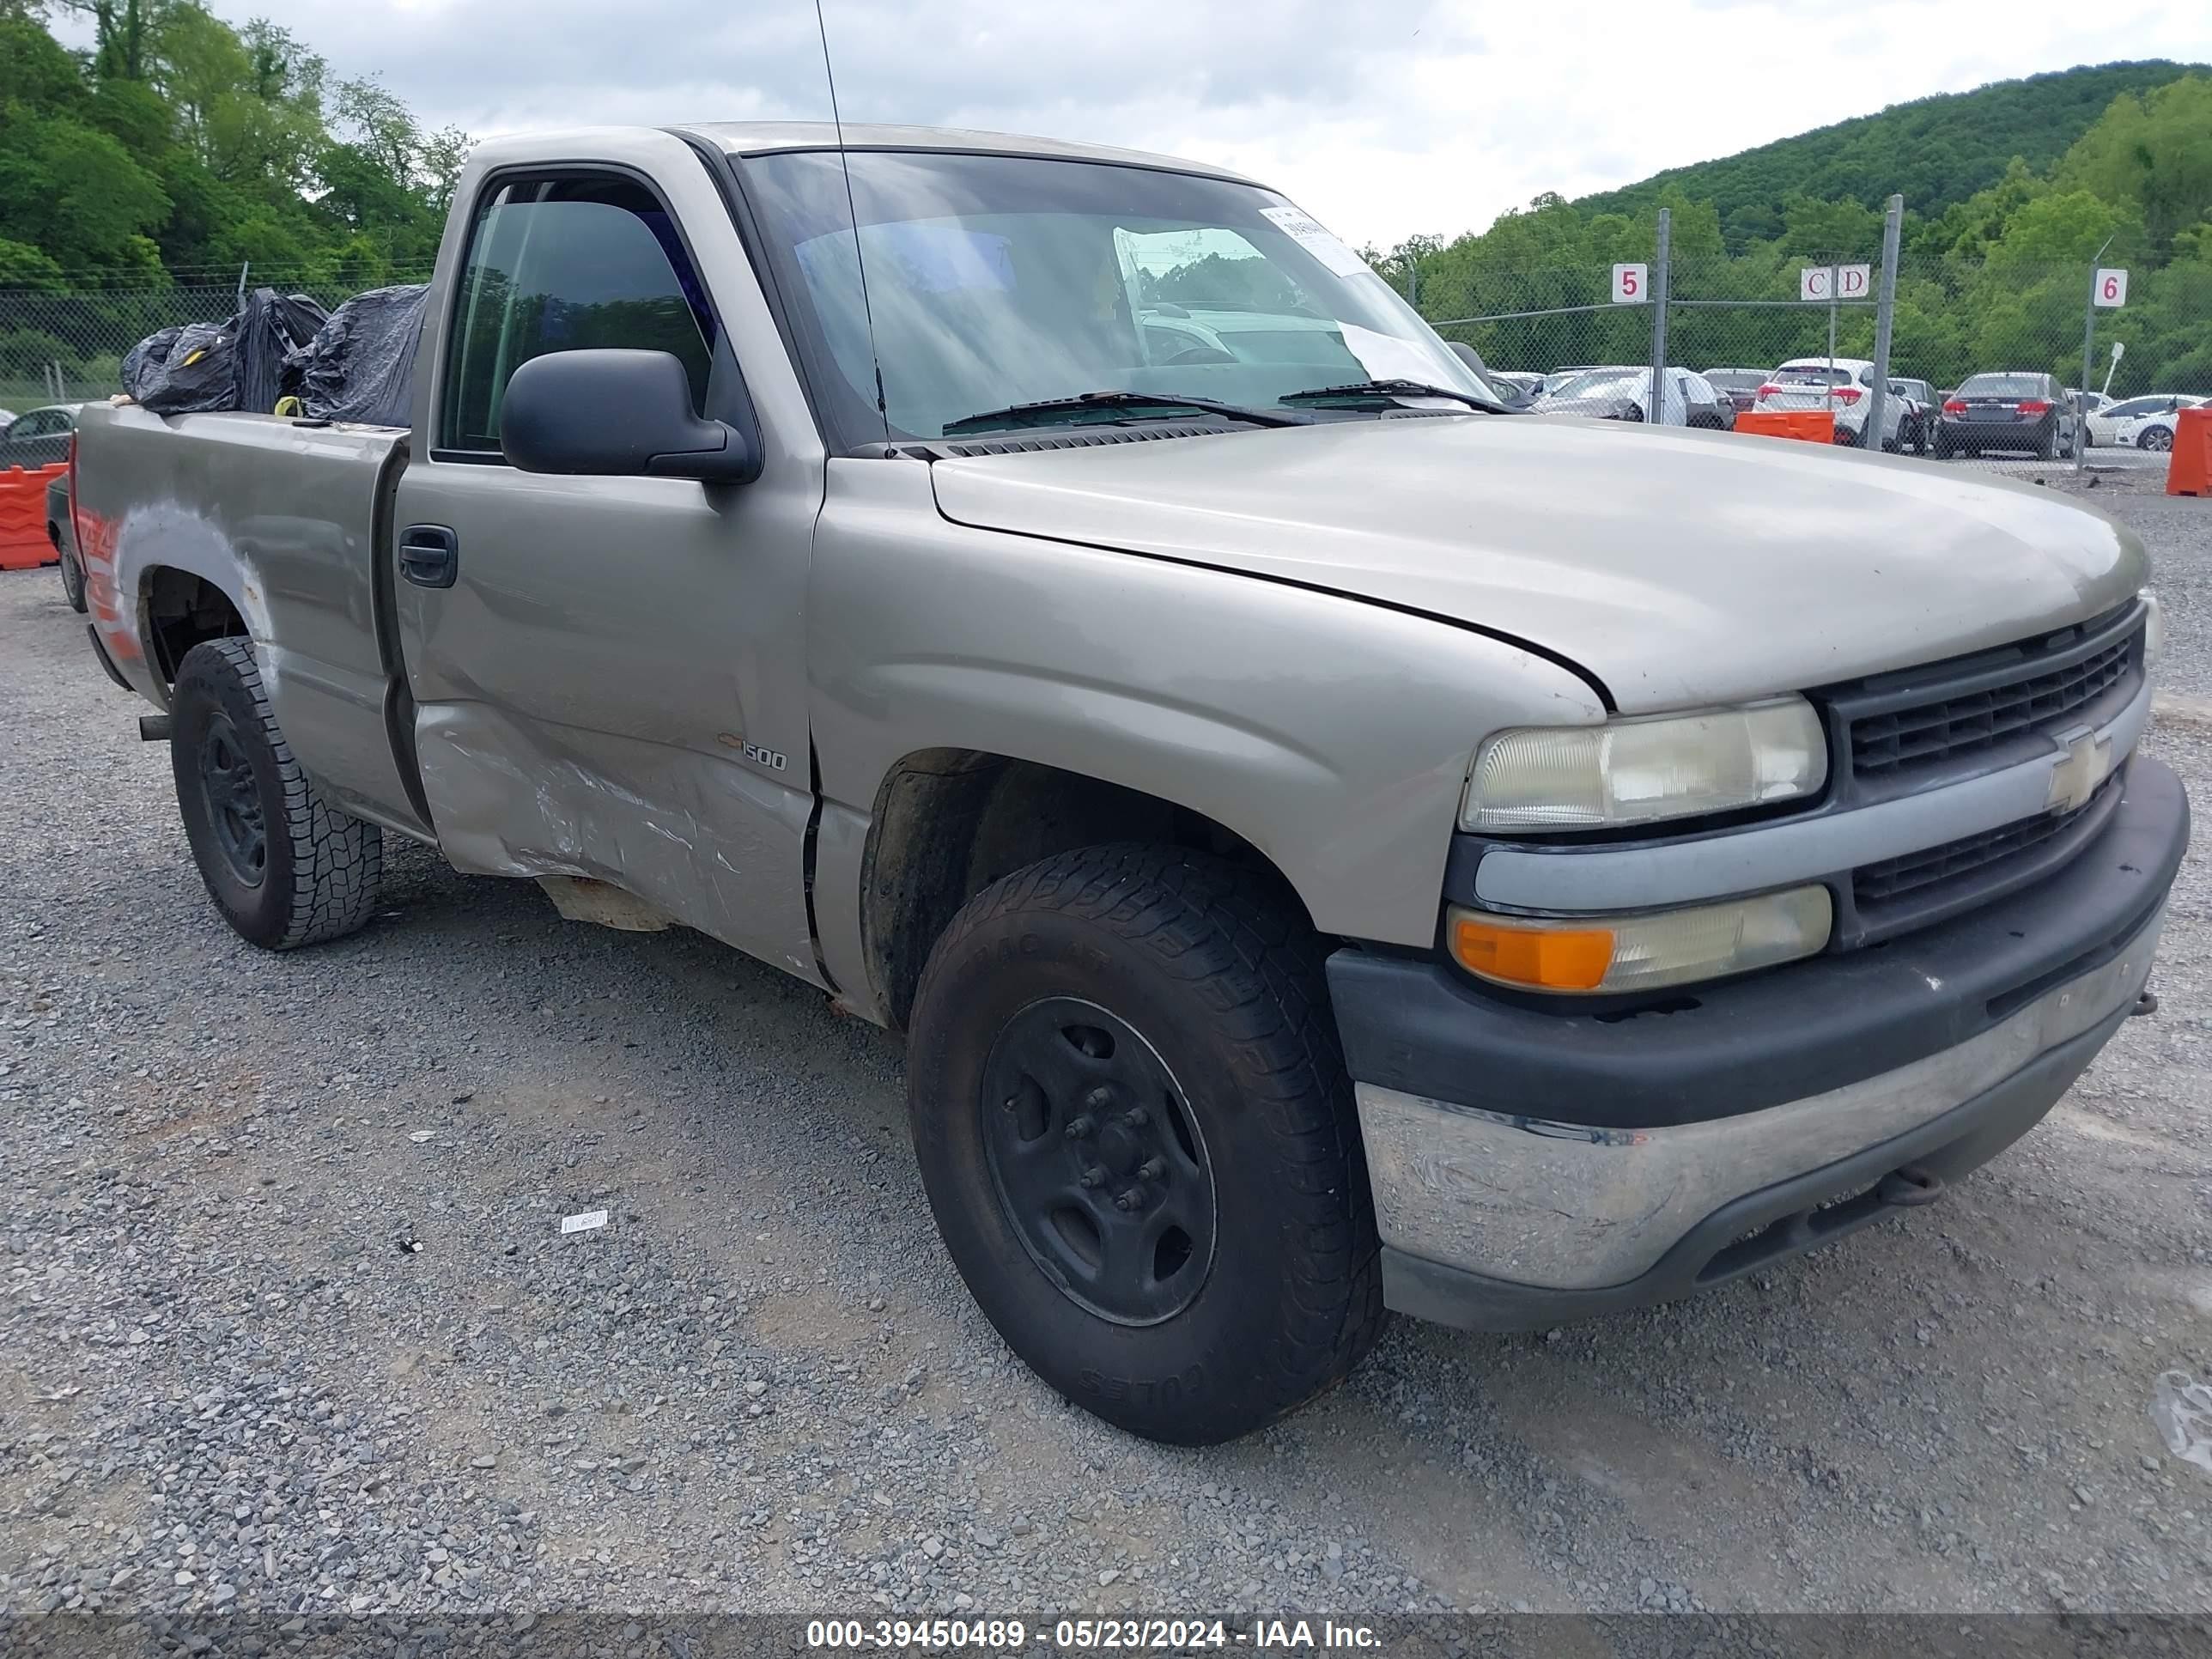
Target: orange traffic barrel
(2190, 471)
(23, 543)
(1814, 425)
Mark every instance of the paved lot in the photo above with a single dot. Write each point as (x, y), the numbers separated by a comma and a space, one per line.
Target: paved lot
(286, 1321)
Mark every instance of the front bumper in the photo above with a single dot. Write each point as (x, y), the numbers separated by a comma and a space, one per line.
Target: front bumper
(1531, 1164)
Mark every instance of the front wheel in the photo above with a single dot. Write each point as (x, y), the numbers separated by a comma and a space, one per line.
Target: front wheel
(2157, 438)
(283, 867)
(1138, 1139)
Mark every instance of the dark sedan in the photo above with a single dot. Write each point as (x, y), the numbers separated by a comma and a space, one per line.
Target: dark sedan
(1738, 385)
(39, 437)
(2012, 410)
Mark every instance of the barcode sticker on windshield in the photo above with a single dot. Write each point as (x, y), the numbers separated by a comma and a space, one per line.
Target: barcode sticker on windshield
(1308, 233)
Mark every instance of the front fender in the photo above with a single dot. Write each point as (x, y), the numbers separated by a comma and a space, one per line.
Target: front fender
(1332, 734)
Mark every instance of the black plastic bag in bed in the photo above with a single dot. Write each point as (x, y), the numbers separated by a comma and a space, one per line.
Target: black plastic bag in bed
(361, 364)
(143, 362)
(199, 373)
(272, 328)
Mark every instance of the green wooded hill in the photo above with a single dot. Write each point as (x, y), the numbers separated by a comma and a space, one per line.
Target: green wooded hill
(1935, 151)
(2010, 193)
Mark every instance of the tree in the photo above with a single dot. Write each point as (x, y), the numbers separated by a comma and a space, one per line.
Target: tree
(2154, 152)
(123, 32)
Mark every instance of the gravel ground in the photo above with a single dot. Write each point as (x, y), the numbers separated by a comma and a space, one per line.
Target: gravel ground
(288, 1322)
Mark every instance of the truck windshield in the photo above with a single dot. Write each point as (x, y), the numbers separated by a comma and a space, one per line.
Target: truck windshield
(994, 281)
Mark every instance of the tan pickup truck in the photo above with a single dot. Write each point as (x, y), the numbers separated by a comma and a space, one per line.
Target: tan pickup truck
(1331, 844)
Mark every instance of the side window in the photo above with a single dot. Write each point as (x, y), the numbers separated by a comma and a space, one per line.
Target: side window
(559, 264)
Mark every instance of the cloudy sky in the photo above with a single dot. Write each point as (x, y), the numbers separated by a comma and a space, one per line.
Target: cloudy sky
(1381, 118)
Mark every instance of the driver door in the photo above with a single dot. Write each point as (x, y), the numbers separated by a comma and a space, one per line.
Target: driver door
(603, 669)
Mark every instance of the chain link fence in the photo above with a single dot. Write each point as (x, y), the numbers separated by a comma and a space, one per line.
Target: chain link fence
(67, 347)
(1990, 363)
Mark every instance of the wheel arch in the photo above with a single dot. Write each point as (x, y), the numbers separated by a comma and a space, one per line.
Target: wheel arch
(180, 607)
(947, 823)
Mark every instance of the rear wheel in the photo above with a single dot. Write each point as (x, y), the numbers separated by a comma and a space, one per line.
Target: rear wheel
(2046, 444)
(1138, 1139)
(2158, 438)
(72, 581)
(283, 867)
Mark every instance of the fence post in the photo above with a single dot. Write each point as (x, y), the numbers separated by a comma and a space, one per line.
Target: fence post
(1892, 226)
(1658, 415)
(2088, 358)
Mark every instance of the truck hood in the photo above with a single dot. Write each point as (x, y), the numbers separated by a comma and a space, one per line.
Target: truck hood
(1676, 567)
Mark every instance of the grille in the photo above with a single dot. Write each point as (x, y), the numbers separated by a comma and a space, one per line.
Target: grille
(1874, 885)
(1945, 728)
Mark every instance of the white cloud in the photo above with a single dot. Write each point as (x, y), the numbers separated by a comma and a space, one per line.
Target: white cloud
(1383, 118)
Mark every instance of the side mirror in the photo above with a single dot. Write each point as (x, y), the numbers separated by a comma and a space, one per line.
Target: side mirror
(619, 414)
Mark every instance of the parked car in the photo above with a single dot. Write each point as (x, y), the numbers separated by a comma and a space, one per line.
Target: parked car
(1528, 386)
(6, 420)
(1917, 433)
(1741, 385)
(39, 437)
(1270, 818)
(2103, 425)
(1623, 393)
(2145, 423)
(1844, 387)
(2009, 409)
(63, 535)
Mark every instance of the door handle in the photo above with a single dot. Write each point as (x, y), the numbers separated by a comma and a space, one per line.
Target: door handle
(429, 554)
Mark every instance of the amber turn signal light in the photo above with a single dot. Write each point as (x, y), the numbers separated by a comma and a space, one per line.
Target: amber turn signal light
(1541, 958)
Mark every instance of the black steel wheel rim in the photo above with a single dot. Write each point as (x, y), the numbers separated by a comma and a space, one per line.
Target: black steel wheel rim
(231, 798)
(1101, 1170)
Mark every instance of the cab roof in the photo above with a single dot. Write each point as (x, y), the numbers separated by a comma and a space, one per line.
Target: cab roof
(764, 137)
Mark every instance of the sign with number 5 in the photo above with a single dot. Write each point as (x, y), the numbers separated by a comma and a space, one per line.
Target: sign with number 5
(1631, 284)
(2111, 287)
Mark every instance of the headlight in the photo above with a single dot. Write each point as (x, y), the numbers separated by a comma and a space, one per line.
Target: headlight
(2154, 630)
(1638, 771)
(1600, 954)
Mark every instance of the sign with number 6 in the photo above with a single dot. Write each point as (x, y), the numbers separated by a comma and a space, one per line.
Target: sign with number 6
(2111, 286)
(1631, 284)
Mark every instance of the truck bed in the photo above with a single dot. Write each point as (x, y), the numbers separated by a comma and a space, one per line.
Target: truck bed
(283, 519)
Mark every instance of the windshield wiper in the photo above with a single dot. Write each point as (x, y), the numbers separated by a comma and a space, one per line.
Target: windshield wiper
(1043, 413)
(1394, 388)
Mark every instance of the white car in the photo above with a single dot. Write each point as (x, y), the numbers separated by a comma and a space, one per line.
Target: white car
(2144, 422)
(1842, 386)
(1622, 392)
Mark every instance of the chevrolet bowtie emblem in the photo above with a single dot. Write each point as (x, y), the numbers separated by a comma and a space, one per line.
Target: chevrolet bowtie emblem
(2086, 764)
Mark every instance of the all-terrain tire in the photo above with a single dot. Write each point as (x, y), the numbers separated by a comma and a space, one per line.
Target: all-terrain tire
(311, 874)
(1215, 968)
